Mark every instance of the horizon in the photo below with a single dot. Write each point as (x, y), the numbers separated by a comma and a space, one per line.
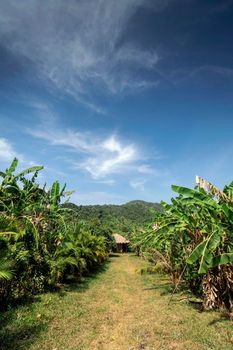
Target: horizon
(118, 100)
(133, 200)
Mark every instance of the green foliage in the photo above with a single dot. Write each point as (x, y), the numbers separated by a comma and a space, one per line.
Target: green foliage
(123, 219)
(6, 266)
(42, 243)
(194, 237)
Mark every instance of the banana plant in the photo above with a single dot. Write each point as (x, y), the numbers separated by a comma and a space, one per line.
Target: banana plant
(6, 268)
(6, 264)
(42, 242)
(8, 176)
(195, 236)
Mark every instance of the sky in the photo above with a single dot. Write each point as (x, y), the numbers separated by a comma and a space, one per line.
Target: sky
(118, 99)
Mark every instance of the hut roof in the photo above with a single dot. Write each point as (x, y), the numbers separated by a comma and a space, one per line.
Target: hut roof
(119, 238)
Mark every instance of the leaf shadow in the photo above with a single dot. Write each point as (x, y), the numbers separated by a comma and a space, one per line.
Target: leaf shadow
(16, 336)
(19, 338)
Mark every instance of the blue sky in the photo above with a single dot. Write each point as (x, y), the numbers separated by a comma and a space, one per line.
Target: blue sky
(119, 99)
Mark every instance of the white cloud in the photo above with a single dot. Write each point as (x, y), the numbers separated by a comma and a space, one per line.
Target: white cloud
(111, 144)
(146, 169)
(83, 142)
(156, 172)
(110, 161)
(98, 154)
(77, 46)
(7, 152)
(102, 156)
(182, 75)
(138, 184)
(136, 56)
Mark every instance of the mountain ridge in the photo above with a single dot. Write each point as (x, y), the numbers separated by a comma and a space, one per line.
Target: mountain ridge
(132, 213)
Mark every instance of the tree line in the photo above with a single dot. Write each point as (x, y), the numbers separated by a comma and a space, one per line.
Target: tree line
(123, 219)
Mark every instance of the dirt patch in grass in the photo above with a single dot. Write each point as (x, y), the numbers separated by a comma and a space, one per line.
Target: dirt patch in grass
(117, 309)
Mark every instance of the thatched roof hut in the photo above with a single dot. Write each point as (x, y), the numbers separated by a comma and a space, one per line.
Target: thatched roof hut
(121, 242)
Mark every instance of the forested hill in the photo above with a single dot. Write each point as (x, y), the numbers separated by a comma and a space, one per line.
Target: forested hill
(120, 218)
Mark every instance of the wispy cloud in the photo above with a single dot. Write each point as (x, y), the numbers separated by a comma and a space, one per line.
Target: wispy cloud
(146, 169)
(138, 184)
(77, 46)
(200, 73)
(101, 156)
(114, 157)
(7, 151)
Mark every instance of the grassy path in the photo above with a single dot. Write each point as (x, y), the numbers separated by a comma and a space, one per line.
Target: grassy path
(116, 309)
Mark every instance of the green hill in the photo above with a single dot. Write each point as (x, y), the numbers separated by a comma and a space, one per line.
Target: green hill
(118, 218)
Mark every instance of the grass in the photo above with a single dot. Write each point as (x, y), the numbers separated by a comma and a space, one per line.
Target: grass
(114, 309)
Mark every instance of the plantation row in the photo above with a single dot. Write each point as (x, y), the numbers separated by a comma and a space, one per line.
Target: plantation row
(42, 243)
(192, 240)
